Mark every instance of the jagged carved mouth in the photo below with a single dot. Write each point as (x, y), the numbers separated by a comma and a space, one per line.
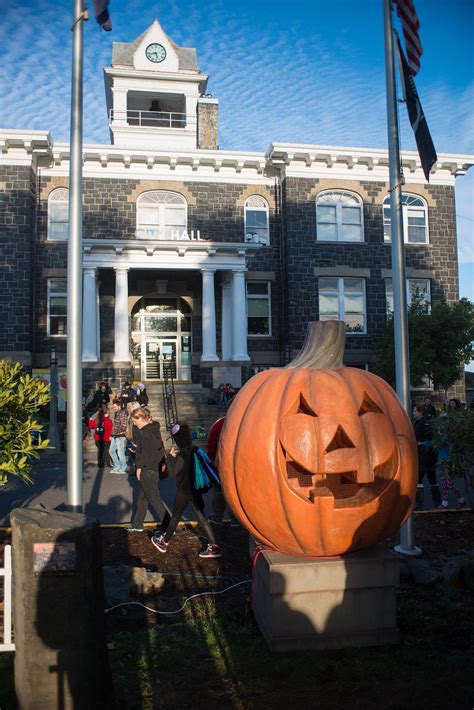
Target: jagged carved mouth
(341, 488)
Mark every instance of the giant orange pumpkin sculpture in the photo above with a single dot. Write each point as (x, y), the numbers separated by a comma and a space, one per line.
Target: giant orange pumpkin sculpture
(316, 458)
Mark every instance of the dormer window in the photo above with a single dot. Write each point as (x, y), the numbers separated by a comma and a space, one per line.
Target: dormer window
(161, 215)
(256, 220)
(58, 211)
(339, 217)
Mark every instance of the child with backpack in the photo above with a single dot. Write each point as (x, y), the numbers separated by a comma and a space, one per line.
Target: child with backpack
(182, 464)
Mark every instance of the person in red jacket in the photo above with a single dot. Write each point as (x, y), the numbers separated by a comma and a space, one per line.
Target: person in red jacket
(102, 426)
(218, 501)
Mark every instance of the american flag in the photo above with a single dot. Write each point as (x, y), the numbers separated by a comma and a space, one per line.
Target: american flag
(410, 25)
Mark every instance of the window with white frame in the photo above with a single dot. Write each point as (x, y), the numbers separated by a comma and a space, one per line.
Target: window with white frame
(57, 307)
(343, 299)
(259, 308)
(415, 219)
(161, 215)
(58, 211)
(418, 287)
(339, 217)
(256, 220)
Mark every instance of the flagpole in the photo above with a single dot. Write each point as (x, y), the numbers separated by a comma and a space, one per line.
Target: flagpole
(74, 272)
(402, 357)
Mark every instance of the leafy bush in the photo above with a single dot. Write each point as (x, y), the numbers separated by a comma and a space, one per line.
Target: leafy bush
(454, 434)
(20, 433)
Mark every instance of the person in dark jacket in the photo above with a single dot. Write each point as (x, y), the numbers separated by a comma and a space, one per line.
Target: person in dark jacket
(101, 397)
(149, 460)
(142, 397)
(180, 463)
(423, 427)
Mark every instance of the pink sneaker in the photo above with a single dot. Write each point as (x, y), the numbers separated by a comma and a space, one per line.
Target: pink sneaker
(211, 551)
(159, 542)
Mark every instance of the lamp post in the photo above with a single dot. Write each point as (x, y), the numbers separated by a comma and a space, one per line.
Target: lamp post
(53, 433)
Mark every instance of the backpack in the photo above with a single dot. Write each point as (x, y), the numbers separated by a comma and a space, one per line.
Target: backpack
(204, 472)
(99, 429)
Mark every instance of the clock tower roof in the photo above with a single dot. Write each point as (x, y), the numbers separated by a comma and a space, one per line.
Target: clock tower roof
(124, 54)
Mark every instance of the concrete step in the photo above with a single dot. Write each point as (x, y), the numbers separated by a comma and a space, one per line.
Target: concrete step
(191, 405)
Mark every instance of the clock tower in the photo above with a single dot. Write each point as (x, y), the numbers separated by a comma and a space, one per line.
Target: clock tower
(156, 95)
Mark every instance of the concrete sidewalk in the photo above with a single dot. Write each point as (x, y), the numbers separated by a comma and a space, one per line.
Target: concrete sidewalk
(108, 497)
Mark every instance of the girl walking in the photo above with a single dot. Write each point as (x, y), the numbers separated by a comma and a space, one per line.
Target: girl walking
(149, 459)
(180, 464)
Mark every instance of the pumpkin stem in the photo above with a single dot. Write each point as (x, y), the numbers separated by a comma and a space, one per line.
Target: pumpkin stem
(323, 347)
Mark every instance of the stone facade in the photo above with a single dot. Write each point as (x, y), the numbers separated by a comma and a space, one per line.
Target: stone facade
(207, 128)
(306, 258)
(292, 261)
(17, 261)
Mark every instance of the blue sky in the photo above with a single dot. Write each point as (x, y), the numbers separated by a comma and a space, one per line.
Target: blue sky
(301, 72)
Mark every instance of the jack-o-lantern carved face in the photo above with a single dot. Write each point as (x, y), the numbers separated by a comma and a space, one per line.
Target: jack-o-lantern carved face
(328, 455)
(318, 462)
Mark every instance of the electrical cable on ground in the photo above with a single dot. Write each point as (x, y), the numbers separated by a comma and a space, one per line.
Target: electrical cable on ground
(177, 611)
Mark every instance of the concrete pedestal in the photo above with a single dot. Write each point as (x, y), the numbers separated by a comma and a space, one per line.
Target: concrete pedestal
(336, 602)
(58, 602)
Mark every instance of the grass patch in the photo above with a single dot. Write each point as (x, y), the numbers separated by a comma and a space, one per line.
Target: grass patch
(216, 658)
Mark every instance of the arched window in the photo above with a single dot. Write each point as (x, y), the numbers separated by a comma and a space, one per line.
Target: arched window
(256, 220)
(415, 219)
(161, 215)
(339, 217)
(58, 209)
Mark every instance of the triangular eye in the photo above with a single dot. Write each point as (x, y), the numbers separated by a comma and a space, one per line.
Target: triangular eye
(340, 440)
(304, 408)
(369, 405)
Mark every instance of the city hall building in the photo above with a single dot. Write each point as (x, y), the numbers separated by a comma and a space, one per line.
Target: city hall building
(214, 261)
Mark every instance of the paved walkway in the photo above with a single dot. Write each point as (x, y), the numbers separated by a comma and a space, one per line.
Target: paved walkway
(108, 497)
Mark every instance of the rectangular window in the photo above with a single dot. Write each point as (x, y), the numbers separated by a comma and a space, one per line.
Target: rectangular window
(57, 307)
(259, 308)
(422, 287)
(343, 299)
(58, 221)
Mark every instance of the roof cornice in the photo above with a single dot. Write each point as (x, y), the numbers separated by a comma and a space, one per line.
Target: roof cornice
(359, 163)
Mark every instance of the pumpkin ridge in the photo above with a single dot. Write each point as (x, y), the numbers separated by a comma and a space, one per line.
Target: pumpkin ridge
(242, 511)
(283, 398)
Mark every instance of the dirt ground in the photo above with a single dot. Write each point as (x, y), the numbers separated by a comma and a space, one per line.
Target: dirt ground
(212, 654)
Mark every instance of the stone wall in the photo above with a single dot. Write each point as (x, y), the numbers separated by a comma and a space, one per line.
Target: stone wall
(207, 125)
(305, 257)
(17, 226)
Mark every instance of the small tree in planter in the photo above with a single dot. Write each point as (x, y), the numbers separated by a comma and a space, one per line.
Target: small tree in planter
(20, 433)
(454, 434)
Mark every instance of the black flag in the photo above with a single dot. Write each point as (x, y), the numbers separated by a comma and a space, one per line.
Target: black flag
(426, 149)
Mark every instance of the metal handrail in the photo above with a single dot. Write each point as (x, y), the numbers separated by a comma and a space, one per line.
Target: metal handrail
(169, 395)
(155, 119)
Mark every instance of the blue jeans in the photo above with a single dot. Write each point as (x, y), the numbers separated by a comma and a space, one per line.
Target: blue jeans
(117, 453)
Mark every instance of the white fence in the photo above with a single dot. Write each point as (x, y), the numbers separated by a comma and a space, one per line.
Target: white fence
(6, 573)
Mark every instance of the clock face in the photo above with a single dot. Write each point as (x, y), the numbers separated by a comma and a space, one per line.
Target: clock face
(155, 52)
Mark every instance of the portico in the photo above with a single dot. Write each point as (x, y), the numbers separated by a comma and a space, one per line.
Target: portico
(158, 326)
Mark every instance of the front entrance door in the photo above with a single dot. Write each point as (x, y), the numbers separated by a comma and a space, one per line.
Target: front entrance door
(158, 353)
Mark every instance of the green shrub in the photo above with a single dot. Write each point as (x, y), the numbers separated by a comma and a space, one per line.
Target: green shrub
(454, 434)
(20, 433)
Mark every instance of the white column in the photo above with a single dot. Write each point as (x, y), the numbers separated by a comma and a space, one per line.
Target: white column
(89, 315)
(122, 343)
(239, 317)
(208, 317)
(226, 323)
